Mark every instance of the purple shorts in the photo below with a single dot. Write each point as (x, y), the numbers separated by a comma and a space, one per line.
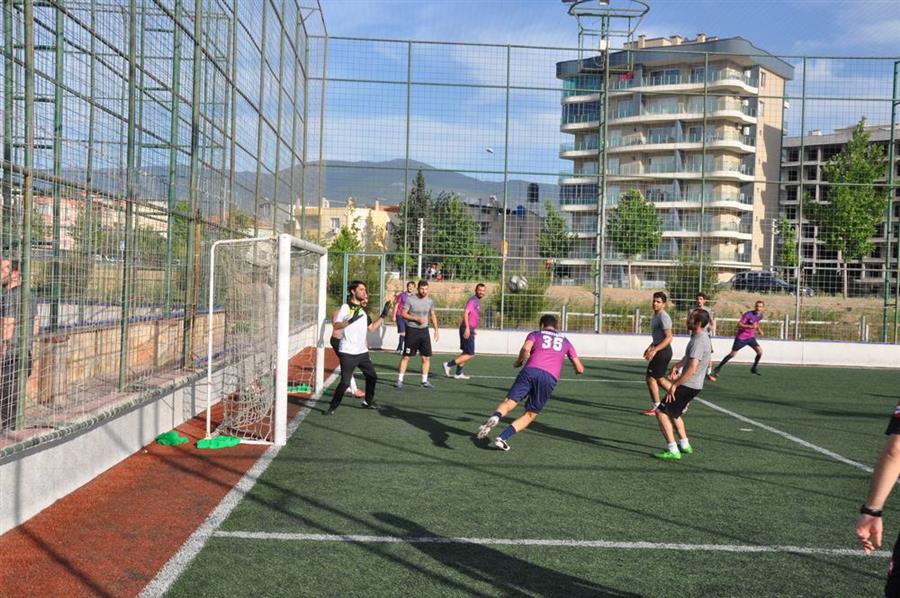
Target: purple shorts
(535, 385)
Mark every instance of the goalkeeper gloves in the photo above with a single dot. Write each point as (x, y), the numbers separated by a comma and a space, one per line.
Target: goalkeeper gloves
(386, 309)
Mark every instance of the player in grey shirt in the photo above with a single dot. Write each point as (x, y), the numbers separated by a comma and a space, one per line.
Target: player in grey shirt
(417, 310)
(685, 382)
(711, 327)
(659, 353)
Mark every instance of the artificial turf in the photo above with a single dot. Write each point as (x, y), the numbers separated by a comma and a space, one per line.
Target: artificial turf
(582, 472)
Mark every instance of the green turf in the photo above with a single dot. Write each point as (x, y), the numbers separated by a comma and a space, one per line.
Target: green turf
(583, 471)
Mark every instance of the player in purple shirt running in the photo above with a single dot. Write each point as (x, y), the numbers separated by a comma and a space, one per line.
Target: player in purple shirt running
(467, 326)
(748, 328)
(544, 351)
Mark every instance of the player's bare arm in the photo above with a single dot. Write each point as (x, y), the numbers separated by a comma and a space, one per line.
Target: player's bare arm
(686, 373)
(524, 352)
(576, 363)
(467, 332)
(869, 528)
(434, 323)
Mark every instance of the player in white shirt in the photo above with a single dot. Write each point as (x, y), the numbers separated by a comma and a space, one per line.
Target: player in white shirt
(355, 324)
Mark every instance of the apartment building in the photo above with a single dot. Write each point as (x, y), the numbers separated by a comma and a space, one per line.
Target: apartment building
(866, 275)
(696, 126)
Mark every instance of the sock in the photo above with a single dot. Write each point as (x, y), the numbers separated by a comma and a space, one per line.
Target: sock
(656, 405)
(451, 363)
(400, 377)
(673, 448)
(424, 378)
(756, 361)
(459, 370)
(497, 415)
(507, 433)
(683, 443)
(722, 363)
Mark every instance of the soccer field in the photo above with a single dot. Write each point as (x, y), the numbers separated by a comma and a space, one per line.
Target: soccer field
(405, 501)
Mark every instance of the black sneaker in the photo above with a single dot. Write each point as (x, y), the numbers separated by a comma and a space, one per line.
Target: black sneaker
(755, 371)
(329, 411)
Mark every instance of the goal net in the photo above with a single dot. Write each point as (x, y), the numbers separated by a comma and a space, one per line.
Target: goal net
(266, 309)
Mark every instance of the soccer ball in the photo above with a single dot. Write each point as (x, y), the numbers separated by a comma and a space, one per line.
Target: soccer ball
(517, 284)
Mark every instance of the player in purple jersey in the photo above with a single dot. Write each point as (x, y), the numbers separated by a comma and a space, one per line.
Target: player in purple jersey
(399, 302)
(471, 315)
(747, 330)
(544, 351)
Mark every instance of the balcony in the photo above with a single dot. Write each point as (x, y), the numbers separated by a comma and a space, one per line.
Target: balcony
(709, 227)
(714, 78)
(697, 197)
(693, 110)
(712, 138)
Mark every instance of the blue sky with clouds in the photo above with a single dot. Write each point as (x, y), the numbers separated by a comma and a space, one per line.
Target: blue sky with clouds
(451, 126)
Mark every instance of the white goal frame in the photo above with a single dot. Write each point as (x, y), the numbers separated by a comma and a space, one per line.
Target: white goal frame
(284, 245)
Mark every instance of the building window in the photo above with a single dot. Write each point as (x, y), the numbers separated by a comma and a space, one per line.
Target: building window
(812, 154)
(809, 173)
(792, 175)
(762, 79)
(760, 111)
(793, 154)
(335, 224)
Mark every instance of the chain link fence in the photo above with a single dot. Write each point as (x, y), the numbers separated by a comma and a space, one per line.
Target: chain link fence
(705, 164)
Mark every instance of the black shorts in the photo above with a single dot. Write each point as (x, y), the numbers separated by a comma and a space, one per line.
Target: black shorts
(683, 396)
(336, 344)
(659, 365)
(417, 341)
(739, 344)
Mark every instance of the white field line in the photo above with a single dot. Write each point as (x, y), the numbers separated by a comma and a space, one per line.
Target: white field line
(605, 544)
(790, 437)
(194, 544)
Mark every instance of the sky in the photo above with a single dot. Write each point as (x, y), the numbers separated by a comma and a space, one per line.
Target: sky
(832, 27)
(458, 105)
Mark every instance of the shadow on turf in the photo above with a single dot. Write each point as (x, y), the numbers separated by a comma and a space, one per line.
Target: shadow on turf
(438, 432)
(509, 575)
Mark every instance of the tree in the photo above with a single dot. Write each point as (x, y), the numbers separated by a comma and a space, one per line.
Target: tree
(634, 227)
(412, 208)
(787, 253)
(855, 207)
(554, 241)
(345, 242)
(374, 236)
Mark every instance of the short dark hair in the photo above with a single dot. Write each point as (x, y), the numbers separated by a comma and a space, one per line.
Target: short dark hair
(479, 285)
(702, 294)
(355, 284)
(422, 283)
(548, 321)
(411, 282)
(700, 316)
(660, 295)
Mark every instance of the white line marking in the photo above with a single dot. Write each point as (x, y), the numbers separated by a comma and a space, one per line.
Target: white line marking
(194, 544)
(790, 437)
(743, 548)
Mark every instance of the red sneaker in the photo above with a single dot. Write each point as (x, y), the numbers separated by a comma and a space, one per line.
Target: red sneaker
(711, 377)
(651, 412)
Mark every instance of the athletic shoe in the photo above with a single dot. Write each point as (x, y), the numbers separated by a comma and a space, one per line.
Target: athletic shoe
(372, 405)
(399, 351)
(446, 370)
(399, 384)
(668, 456)
(712, 377)
(462, 377)
(755, 371)
(687, 450)
(329, 411)
(501, 444)
(651, 412)
(427, 384)
(486, 427)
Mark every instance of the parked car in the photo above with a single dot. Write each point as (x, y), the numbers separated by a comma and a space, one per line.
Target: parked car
(765, 281)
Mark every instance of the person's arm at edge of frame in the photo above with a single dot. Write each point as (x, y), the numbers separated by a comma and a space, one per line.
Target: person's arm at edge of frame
(869, 528)
(377, 322)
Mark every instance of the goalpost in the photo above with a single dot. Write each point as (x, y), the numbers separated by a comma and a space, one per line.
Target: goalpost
(265, 332)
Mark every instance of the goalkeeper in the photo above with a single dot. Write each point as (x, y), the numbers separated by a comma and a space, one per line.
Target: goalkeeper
(355, 325)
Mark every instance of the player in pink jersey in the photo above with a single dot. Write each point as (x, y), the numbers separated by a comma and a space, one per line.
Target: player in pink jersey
(471, 315)
(544, 350)
(747, 329)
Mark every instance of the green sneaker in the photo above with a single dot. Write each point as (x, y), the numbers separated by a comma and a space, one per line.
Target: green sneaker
(668, 456)
(687, 450)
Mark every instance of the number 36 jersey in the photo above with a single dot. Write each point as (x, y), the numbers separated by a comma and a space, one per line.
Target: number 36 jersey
(549, 350)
